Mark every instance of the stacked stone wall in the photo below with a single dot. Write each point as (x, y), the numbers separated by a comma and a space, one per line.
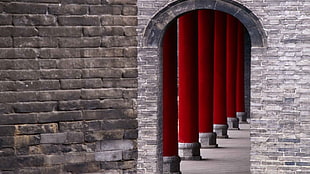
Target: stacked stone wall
(68, 86)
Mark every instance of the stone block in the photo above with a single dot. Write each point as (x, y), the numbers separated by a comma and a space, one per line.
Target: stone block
(60, 31)
(34, 20)
(6, 130)
(6, 141)
(103, 10)
(34, 107)
(109, 156)
(129, 10)
(28, 129)
(95, 136)
(86, 42)
(6, 42)
(35, 42)
(54, 138)
(75, 137)
(117, 145)
(68, 9)
(19, 8)
(83, 167)
(79, 21)
(5, 19)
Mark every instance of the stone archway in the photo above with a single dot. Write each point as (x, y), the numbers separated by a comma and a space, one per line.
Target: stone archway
(150, 71)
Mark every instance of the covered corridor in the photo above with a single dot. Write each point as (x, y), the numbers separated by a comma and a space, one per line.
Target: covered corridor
(232, 156)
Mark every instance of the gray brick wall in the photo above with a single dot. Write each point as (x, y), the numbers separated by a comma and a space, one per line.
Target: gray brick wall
(68, 86)
(280, 93)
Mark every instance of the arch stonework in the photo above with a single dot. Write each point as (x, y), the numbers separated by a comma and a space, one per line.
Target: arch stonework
(150, 71)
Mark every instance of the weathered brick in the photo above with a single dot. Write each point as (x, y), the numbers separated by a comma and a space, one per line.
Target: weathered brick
(5, 19)
(59, 116)
(119, 124)
(91, 2)
(130, 73)
(95, 136)
(84, 83)
(80, 126)
(83, 167)
(19, 64)
(59, 95)
(34, 107)
(79, 20)
(80, 42)
(60, 31)
(35, 42)
(103, 52)
(18, 53)
(107, 114)
(101, 10)
(129, 10)
(101, 93)
(122, 83)
(48, 64)
(119, 41)
(17, 118)
(102, 73)
(121, 2)
(26, 140)
(70, 9)
(37, 20)
(6, 141)
(25, 8)
(28, 129)
(77, 104)
(7, 130)
(75, 137)
(60, 74)
(53, 138)
(19, 75)
(109, 155)
(6, 42)
(116, 103)
(59, 53)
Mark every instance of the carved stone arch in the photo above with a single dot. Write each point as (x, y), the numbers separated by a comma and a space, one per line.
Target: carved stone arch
(156, 27)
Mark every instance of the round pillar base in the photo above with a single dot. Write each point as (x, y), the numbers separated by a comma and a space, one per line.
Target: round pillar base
(171, 165)
(233, 123)
(208, 140)
(220, 130)
(242, 116)
(189, 151)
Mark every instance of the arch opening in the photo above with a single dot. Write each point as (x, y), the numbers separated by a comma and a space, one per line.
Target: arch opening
(152, 48)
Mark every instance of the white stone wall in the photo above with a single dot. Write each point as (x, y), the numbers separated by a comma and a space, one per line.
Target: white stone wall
(280, 83)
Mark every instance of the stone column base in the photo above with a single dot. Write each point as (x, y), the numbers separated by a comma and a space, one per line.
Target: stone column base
(189, 151)
(220, 130)
(171, 165)
(233, 123)
(208, 140)
(242, 116)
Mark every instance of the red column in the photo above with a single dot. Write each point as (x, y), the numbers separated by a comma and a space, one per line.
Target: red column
(205, 73)
(220, 118)
(241, 114)
(231, 70)
(189, 147)
(170, 102)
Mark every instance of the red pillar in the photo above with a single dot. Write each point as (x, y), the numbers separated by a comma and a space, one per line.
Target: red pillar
(241, 114)
(207, 137)
(170, 102)
(189, 148)
(231, 70)
(220, 118)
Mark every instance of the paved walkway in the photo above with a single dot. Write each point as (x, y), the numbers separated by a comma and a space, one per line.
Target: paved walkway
(232, 156)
